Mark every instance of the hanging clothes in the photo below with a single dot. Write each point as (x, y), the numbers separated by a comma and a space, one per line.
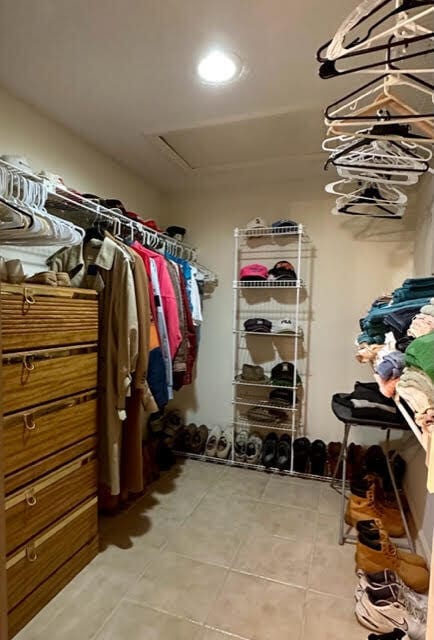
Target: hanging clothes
(107, 268)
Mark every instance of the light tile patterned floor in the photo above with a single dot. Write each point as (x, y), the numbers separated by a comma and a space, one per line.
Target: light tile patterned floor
(214, 553)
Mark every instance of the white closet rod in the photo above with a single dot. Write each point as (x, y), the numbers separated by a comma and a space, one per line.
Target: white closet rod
(61, 198)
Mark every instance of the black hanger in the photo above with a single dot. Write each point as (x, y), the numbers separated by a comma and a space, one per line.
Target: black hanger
(405, 6)
(390, 118)
(329, 70)
(385, 211)
(95, 232)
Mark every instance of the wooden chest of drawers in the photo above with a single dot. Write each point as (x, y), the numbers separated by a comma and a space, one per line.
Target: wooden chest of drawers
(49, 378)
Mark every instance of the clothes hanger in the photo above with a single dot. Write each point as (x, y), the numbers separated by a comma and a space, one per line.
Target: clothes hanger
(360, 208)
(367, 190)
(371, 40)
(379, 96)
(400, 179)
(421, 151)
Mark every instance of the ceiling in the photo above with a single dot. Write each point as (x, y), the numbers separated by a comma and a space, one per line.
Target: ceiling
(122, 76)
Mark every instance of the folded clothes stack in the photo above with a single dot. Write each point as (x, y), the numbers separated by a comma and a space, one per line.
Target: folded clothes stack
(414, 288)
(383, 317)
(366, 402)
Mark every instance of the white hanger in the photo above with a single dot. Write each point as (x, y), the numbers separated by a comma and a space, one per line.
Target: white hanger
(350, 189)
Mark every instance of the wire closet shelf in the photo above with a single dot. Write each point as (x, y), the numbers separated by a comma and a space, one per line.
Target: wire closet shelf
(70, 205)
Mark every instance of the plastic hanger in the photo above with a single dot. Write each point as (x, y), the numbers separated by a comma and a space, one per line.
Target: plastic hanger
(367, 190)
(405, 20)
(400, 179)
(380, 97)
(358, 207)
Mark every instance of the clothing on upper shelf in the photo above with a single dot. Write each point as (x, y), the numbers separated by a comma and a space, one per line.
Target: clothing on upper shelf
(387, 387)
(428, 308)
(391, 365)
(421, 324)
(414, 288)
(420, 354)
(381, 316)
(417, 389)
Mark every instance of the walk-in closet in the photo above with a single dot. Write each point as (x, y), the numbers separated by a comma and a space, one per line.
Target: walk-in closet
(216, 320)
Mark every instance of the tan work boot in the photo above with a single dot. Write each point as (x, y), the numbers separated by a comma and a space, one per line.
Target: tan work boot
(376, 555)
(362, 505)
(371, 529)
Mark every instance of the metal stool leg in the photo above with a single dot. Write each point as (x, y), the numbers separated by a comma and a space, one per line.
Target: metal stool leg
(396, 492)
(343, 457)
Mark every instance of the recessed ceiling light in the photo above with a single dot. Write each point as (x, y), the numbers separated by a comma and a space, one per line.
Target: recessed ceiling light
(218, 67)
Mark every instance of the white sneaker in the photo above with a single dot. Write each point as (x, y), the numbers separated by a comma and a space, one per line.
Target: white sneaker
(376, 581)
(383, 613)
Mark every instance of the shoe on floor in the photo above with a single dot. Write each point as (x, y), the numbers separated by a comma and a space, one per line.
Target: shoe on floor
(301, 452)
(240, 445)
(363, 504)
(381, 579)
(254, 449)
(212, 442)
(371, 530)
(199, 438)
(269, 451)
(373, 556)
(224, 444)
(383, 613)
(318, 458)
(333, 452)
(283, 456)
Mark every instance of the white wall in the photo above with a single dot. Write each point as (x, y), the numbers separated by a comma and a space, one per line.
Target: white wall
(355, 261)
(47, 145)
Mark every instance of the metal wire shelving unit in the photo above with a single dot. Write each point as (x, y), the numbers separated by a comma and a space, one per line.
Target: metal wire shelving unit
(271, 299)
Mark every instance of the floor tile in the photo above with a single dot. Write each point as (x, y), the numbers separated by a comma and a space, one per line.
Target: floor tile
(328, 530)
(330, 501)
(292, 492)
(288, 522)
(136, 622)
(153, 530)
(241, 484)
(179, 503)
(330, 618)
(198, 540)
(258, 609)
(120, 552)
(230, 512)
(83, 611)
(333, 570)
(179, 585)
(277, 558)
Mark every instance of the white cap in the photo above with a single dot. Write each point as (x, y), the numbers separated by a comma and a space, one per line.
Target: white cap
(256, 224)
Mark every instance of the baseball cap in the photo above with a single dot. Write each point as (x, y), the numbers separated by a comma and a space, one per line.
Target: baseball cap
(254, 227)
(283, 270)
(284, 325)
(283, 374)
(284, 223)
(253, 272)
(258, 325)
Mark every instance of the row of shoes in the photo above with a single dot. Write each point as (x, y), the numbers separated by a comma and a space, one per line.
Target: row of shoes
(389, 608)
(12, 271)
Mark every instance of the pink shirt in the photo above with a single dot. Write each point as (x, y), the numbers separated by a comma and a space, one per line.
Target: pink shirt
(168, 299)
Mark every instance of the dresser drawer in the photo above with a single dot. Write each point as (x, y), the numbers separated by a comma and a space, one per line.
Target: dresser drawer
(29, 436)
(30, 606)
(41, 503)
(33, 564)
(44, 376)
(34, 317)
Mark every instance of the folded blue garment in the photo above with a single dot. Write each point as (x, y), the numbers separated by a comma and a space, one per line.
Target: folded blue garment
(403, 294)
(414, 283)
(391, 366)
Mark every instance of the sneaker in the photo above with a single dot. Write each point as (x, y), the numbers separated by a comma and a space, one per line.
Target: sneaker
(381, 579)
(382, 612)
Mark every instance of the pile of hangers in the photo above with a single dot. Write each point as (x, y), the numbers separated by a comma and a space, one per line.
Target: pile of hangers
(23, 216)
(380, 136)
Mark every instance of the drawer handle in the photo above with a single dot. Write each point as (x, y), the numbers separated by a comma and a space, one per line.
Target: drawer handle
(31, 554)
(27, 368)
(29, 423)
(28, 297)
(30, 499)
